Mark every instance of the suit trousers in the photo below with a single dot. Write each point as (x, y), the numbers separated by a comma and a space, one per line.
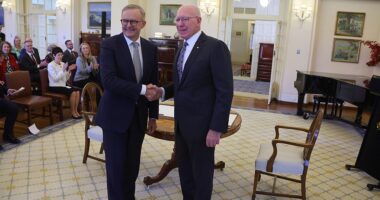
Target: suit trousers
(196, 167)
(122, 153)
(10, 110)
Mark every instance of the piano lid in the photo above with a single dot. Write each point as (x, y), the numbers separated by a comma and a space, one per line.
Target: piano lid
(351, 79)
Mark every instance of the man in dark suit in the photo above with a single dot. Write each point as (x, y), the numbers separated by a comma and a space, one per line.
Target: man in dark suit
(9, 110)
(69, 56)
(129, 63)
(202, 90)
(30, 60)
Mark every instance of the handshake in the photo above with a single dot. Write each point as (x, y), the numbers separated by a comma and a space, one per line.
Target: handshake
(153, 92)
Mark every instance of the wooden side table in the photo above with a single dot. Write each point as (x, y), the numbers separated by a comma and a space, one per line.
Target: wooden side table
(165, 131)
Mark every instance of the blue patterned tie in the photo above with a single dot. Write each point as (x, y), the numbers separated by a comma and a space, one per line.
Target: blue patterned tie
(180, 60)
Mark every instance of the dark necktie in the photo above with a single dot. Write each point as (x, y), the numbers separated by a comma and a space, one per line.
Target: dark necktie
(34, 58)
(180, 61)
(136, 61)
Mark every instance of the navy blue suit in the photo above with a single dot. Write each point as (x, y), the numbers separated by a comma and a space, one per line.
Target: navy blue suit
(202, 101)
(123, 112)
(10, 110)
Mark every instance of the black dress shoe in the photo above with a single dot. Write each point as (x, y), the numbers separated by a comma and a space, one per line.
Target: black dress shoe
(79, 117)
(12, 140)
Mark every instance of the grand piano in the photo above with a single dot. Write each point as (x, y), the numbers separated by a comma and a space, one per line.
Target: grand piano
(349, 88)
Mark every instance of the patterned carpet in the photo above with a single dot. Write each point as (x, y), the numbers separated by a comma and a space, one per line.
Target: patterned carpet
(251, 86)
(50, 167)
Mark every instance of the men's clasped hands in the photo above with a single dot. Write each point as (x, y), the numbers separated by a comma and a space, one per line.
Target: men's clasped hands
(153, 92)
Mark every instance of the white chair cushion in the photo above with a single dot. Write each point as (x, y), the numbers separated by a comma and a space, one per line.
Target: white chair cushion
(289, 159)
(95, 133)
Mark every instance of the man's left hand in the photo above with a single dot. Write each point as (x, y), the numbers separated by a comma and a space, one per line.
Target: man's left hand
(213, 138)
(152, 126)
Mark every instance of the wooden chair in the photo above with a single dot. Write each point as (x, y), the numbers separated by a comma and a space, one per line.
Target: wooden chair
(59, 98)
(91, 94)
(25, 99)
(287, 157)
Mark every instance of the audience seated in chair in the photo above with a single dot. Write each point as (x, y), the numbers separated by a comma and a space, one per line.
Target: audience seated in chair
(90, 97)
(9, 63)
(16, 49)
(57, 97)
(87, 66)
(30, 61)
(58, 73)
(24, 98)
(284, 157)
(9, 110)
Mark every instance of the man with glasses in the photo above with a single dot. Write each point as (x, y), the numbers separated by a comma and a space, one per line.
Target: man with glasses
(202, 90)
(129, 64)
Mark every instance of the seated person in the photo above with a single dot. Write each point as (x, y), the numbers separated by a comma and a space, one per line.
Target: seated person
(9, 62)
(86, 66)
(17, 47)
(30, 61)
(9, 110)
(49, 57)
(58, 73)
(70, 55)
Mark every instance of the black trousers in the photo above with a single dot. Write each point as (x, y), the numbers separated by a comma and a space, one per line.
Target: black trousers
(10, 110)
(122, 151)
(196, 167)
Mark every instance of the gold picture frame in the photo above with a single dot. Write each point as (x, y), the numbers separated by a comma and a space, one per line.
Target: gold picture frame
(168, 13)
(349, 24)
(346, 50)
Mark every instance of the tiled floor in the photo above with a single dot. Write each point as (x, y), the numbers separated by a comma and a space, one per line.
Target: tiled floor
(50, 167)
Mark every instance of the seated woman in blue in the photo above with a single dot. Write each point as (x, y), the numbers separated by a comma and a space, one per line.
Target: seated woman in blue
(59, 73)
(87, 66)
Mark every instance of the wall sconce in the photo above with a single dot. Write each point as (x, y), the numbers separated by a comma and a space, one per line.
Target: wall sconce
(61, 5)
(303, 12)
(207, 6)
(7, 6)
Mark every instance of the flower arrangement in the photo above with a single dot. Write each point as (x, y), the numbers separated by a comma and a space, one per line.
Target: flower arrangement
(375, 52)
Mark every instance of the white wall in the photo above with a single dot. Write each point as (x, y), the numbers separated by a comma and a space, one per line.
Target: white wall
(298, 37)
(318, 58)
(325, 35)
(153, 15)
(240, 43)
(84, 13)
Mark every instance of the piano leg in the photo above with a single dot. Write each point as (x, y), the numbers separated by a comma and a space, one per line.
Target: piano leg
(358, 118)
(301, 97)
(372, 186)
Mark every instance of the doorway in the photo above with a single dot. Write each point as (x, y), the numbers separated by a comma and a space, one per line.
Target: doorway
(252, 51)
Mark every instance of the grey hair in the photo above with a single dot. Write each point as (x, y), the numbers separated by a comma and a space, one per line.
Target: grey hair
(134, 6)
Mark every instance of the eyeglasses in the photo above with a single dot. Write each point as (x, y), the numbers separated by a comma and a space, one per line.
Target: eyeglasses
(131, 22)
(184, 19)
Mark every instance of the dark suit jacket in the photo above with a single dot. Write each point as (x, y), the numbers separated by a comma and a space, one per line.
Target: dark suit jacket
(122, 92)
(36, 54)
(27, 63)
(2, 36)
(203, 96)
(69, 57)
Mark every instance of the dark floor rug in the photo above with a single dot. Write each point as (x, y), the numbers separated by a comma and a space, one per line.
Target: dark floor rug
(251, 86)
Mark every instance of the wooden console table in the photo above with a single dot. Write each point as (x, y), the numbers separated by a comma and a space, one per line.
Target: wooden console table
(165, 131)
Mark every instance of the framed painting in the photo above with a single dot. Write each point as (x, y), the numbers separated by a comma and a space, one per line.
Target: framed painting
(95, 10)
(346, 50)
(168, 13)
(350, 24)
